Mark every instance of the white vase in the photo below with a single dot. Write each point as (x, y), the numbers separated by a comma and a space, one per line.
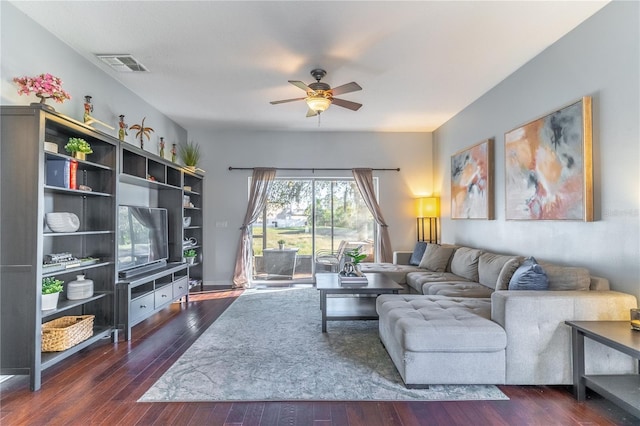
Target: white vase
(50, 301)
(80, 288)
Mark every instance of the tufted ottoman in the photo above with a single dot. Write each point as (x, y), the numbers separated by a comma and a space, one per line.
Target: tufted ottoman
(442, 340)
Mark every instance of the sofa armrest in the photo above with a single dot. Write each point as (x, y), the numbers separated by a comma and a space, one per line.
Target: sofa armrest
(539, 342)
(401, 257)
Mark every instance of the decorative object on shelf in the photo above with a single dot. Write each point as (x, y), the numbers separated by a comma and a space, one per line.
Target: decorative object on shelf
(635, 319)
(88, 118)
(190, 154)
(548, 171)
(174, 152)
(51, 147)
(190, 256)
(62, 221)
(428, 211)
(161, 145)
(281, 244)
(186, 201)
(51, 289)
(186, 188)
(80, 288)
(79, 148)
(122, 128)
(186, 221)
(66, 332)
(45, 86)
(189, 242)
(142, 131)
(472, 182)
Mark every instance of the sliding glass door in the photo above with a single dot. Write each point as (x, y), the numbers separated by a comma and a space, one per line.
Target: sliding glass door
(305, 219)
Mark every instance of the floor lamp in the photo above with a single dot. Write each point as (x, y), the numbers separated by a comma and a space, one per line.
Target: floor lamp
(428, 210)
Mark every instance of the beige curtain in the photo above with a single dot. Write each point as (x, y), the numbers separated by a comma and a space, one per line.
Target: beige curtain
(260, 184)
(364, 180)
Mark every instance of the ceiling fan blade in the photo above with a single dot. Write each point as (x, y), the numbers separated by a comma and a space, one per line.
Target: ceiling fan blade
(301, 85)
(346, 88)
(354, 106)
(286, 100)
(311, 113)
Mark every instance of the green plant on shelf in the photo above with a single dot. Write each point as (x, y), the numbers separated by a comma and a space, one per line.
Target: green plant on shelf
(190, 253)
(78, 145)
(190, 153)
(51, 285)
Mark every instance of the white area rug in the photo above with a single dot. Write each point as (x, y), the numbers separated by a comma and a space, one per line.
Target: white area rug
(268, 346)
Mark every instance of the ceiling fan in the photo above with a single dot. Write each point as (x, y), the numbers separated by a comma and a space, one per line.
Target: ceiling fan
(320, 95)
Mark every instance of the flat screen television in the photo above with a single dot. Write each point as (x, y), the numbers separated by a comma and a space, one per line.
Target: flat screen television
(143, 236)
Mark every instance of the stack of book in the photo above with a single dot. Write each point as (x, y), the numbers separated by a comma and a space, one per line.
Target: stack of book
(354, 281)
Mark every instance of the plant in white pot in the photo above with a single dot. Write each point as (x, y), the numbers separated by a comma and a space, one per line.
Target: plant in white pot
(190, 256)
(51, 288)
(281, 244)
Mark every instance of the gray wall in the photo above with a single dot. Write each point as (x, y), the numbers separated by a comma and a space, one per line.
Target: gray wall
(227, 191)
(599, 59)
(29, 50)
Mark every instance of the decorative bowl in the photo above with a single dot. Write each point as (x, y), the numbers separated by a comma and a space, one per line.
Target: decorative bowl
(51, 147)
(62, 221)
(186, 221)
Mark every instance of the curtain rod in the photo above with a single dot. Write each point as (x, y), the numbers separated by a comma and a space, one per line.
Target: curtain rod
(313, 169)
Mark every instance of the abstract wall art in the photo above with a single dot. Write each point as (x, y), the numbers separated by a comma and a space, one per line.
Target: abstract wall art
(472, 182)
(548, 174)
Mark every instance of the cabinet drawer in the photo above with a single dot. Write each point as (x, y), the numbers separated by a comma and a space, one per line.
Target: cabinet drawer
(180, 287)
(163, 295)
(141, 307)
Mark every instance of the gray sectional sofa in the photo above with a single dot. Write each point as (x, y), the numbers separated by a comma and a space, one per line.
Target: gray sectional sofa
(461, 324)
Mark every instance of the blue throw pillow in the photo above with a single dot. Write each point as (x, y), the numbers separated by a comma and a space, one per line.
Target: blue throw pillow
(529, 276)
(418, 252)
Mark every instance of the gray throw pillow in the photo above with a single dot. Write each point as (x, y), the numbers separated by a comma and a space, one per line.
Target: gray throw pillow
(436, 257)
(567, 277)
(418, 252)
(465, 263)
(529, 276)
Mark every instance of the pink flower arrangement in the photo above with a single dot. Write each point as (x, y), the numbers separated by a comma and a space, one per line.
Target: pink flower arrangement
(44, 86)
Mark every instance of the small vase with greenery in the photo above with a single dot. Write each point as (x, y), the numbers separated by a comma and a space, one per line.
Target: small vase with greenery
(190, 256)
(281, 244)
(190, 153)
(51, 288)
(78, 147)
(356, 257)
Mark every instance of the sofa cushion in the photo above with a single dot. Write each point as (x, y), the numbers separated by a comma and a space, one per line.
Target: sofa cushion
(491, 265)
(502, 283)
(465, 263)
(567, 277)
(457, 289)
(416, 280)
(436, 257)
(397, 273)
(418, 252)
(529, 276)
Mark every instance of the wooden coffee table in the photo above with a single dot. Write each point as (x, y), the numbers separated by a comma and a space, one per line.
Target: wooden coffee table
(349, 307)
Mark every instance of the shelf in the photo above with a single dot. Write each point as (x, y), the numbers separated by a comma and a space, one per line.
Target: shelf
(623, 389)
(76, 191)
(68, 234)
(192, 192)
(193, 227)
(191, 208)
(135, 180)
(52, 358)
(64, 305)
(84, 164)
(76, 269)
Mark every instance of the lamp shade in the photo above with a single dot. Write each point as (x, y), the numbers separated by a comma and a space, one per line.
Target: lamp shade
(428, 207)
(318, 103)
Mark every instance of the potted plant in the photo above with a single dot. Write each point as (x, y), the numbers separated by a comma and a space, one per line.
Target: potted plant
(51, 288)
(190, 256)
(281, 244)
(356, 257)
(78, 147)
(190, 154)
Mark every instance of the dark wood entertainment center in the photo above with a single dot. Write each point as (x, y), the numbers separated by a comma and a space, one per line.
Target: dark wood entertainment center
(115, 173)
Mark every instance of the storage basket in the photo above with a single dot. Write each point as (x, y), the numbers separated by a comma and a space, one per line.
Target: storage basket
(65, 332)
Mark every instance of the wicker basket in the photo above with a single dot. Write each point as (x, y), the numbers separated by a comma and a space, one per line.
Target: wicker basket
(65, 332)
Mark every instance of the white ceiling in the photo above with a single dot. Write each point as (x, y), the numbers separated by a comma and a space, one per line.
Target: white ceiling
(219, 63)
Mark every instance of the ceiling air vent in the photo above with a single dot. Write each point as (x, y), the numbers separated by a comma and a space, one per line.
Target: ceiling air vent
(123, 63)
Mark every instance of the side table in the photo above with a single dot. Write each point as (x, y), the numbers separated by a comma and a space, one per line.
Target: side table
(621, 389)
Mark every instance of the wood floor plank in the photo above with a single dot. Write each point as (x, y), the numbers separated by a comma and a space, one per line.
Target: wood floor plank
(101, 385)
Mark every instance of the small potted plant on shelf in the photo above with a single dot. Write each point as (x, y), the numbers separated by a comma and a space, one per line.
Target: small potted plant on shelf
(281, 244)
(190, 256)
(190, 154)
(51, 288)
(79, 148)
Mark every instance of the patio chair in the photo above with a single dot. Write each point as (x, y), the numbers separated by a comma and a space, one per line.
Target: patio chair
(328, 260)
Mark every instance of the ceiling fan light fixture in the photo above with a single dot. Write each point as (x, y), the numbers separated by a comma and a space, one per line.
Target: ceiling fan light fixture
(318, 103)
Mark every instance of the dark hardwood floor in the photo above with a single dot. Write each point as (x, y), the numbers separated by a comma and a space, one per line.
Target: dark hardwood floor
(102, 384)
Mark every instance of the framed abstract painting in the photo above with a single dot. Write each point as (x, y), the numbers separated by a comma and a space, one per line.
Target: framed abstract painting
(548, 166)
(472, 182)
